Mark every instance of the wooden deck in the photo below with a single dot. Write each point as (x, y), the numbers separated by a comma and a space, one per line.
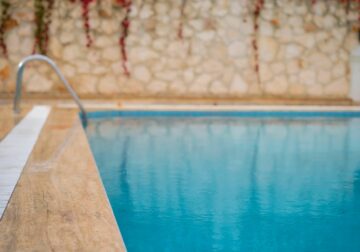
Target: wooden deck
(59, 203)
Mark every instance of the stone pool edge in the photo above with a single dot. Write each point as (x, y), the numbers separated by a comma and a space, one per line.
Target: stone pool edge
(59, 202)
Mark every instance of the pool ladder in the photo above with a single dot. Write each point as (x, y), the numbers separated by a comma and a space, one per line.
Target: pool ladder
(19, 78)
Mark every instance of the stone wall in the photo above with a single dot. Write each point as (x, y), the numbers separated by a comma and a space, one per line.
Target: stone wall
(303, 50)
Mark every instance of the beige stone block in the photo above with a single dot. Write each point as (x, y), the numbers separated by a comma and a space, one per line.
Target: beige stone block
(38, 84)
(12, 41)
(85, 84)
(55, 48)
(219, 88)
(197, 24)
(93, 56)
(329, 46)
(233, 21)
(339, 70)
(167, 75)
(141, 53)
(293, 66)
(161, 8)
(293, 51)
(68, 70)
(268, 48)
(67, 37)
(162, 30)
(277, 67)
(193, 60)
(315, 91)
(265, 72)
(350, 41)
(159, 44)
(329, 22)
(177, 88)
(26, 29)
(203, 80)
(320, 8)
(297, 90)
(206, 36)
(212, 66)
(284, 34)
(111, 53)
(324, 76)
(71, 52)
(306, 40)
(307, 77)
(337, 88)
(141, 73)
(238, 86)
(295, 21)
(132, 87)
(83, 67)
(146, 12)
(319, 60)
(188, 75)
(237, 49)
(108, 85)
(103, 41)
(156, 87)
(26, 46)
(278, 86)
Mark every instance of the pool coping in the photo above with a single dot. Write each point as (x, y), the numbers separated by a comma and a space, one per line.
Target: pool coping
(44, 213)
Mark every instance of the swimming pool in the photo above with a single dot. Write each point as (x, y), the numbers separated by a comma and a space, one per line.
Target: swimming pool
(231, 181)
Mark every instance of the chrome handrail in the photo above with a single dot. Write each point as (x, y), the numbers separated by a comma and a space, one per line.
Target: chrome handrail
(19, 77)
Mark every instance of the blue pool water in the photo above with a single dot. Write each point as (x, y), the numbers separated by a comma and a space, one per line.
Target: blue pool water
(231, 182)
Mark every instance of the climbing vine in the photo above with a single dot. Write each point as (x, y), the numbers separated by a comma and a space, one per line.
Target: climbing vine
(182, 17)
(43, 14)
(85, 4)
(85, 15)
(5, 16)
(258, 6)
(125, 24)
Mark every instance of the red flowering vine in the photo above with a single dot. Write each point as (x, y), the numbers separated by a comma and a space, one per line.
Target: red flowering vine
(5, 16)
(182, 15)
(259, 4)
(125, 24)
(85, 15)
(48, 14)
(43, 14)
(86, 20)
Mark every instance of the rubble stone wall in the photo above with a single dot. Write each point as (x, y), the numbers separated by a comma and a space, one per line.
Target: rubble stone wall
(298, 51)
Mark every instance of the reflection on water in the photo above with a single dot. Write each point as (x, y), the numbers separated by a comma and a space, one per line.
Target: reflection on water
(229, 184)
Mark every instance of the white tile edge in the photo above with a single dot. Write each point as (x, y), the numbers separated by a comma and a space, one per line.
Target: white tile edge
(16, 148)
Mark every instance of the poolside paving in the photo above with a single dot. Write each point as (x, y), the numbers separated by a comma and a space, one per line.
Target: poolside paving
(59, 203)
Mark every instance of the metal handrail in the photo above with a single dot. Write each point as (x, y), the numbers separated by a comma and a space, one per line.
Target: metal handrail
(19, 77)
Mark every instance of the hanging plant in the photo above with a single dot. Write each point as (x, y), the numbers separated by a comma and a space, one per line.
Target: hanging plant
(86, 20)
(48, 15)
(5, 16)
(125, 25)
(43, 14)
(85, 16)
(182, 17)
(258, 6)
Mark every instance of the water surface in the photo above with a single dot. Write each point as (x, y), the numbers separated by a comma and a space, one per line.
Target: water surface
(232, 184)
